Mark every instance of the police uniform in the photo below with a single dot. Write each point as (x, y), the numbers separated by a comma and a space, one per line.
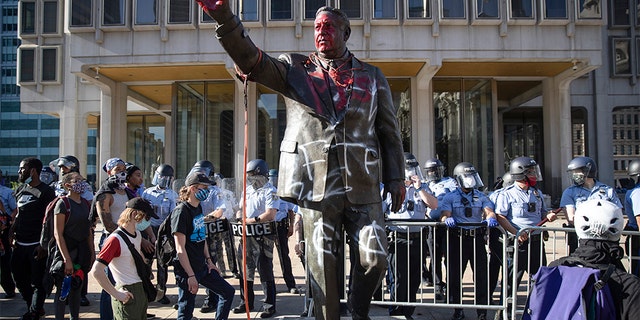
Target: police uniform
(632, 210)
(524, 209)
(259, 247)
(163, 202)
(467, 243)
(405, 251)
(6, 281)
(213, 202)
(282, 244)
(436, 240)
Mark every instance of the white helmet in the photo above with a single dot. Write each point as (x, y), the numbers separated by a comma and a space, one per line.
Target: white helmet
(599, 220)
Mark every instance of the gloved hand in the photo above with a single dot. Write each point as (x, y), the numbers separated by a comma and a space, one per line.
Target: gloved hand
(491, 222)
(450, 222)
(397, 190)
(219, 10)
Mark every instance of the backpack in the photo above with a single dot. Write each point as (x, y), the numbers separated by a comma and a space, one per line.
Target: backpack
(571, 292)
(46, 235)
(165, 244)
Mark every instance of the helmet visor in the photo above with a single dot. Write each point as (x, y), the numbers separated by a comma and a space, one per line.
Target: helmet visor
(533, 172)
(412, 171)
(162, 181)
(434, 174)
(470, 181)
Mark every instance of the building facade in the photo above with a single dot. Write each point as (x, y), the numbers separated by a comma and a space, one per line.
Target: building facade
(482, 81)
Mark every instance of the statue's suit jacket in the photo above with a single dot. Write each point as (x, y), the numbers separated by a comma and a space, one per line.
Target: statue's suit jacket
(365, 136)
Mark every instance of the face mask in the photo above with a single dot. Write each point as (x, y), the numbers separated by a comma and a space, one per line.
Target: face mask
(531, 181)
(118, 179)
(79, 187)
(468, 182)
(28, 180)
(257, 182)
(202, 194)
(578, 179)
(143, 225)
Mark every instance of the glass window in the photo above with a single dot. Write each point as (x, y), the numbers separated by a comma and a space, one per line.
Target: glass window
(9, 19)
(281, 10)
(113, 12)
(81, 13)
(384, 9)
(272, 121)
(50, 17)
(620, 12)
(9, 87)
(180, 11)
(49, 64)
(401, 96)
(27, 60)
(455, 9)
(249, 10)
(311, 6)
(555, 9)
(589, 9)
(10, 49)
(189, 127)
(146, 143)
(487, 9)
(353, 8)
(621, 63)
(146, 12)
(521, 9)
(219, 126)
(28, 21)
(418, 9)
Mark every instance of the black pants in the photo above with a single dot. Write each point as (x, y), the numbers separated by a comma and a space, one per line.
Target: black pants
(461, 251)
(28, 274)
(6, 280)
(437, 251)
(495, 260)
(260, 257)
(404, 272)
(531, 255)
(282, 245)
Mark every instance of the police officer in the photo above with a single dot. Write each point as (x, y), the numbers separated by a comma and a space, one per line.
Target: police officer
(262, 204)
(583, 172)
(440, 185)
(163, 199)
(405, 249)
(632, 210)
(521, 206)
(495, 238)
(68, 164)
(284, 228)
(467, 205)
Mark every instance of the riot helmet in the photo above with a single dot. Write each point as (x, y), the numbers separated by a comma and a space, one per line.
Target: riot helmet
(204, 166)
(163, 176)
(258, 167)
(467, 176)
(47, 176)
(434, 169)
(507, 180)
(411, 167)
(525, 168)
(581, 168)
(634, 168)
(68, 161)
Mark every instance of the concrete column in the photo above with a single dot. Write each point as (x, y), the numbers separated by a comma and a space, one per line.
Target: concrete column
(556, 115)
(113, 125)
(423, 118)
(73, 125)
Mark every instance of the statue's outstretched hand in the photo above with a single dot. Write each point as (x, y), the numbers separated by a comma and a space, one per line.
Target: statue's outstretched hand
(219, 10)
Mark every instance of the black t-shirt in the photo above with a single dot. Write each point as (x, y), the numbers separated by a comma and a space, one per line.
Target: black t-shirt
(77, 227)
(32, 203)
(189, 221)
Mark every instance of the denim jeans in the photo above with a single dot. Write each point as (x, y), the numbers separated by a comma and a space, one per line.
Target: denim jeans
(210, 280)
(106, 312)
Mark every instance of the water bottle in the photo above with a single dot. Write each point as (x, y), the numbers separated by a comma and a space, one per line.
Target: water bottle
(66, 287)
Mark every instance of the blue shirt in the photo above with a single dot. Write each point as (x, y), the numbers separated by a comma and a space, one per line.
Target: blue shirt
(163, 202)
(439, 190)
(513, 202)
(418, 213)
(574, 195)
(259, 200)
(8, 199)
(214, 201)
(632, 206)
(283, 210)
(476, 200)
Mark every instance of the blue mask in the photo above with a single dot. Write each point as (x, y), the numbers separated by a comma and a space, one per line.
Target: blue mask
(202, 194)
(143, 225)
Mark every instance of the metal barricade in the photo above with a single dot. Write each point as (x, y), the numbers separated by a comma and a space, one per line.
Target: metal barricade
(468, 279)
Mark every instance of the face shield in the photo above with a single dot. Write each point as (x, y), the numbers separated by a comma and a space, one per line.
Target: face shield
(47, 177)
(434, 174)
(207, 171)
(470, 181)
(412, 171)
(533, 172)
(161, 181)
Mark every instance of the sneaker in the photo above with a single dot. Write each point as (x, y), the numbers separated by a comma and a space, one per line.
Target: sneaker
(175, 306)
(150, 315)
(241, 309)
(164, 300)
(268, 313)
(458, 315)
(440, 296)
(206, 308)
(294, 290)
(84, 301)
